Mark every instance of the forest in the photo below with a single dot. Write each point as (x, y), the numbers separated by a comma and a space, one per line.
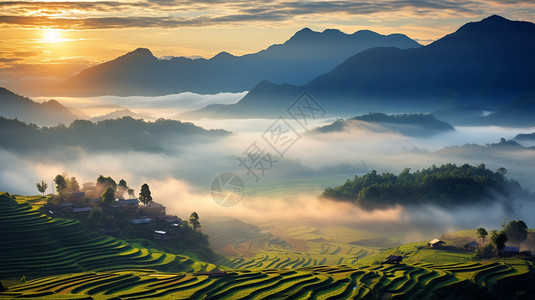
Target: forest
(447, 186)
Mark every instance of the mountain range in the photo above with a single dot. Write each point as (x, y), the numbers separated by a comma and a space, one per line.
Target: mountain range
(306, 55)
(489, 64)
(47, 113)
(419, 125)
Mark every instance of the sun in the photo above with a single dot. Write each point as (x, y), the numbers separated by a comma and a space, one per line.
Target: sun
(52, 36)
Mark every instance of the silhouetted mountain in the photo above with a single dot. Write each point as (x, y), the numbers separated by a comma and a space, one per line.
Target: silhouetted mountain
(24, 109)
(406, 124)
(117, 114)
(125, 134)
(304, 56)
(525, 137)
(488, 63)
(518, 114)
(461, 114)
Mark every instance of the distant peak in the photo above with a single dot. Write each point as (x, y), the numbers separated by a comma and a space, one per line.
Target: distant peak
(222, 55)
(142, 51)
(365, 32)
(332, 31)
(494, 18)
(304, 31)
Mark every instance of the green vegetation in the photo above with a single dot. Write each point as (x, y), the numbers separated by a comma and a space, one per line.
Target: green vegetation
(429, 280)
(447, 186)
(34, 244)
(108, 135)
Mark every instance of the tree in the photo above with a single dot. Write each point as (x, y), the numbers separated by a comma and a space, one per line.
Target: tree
(105, 182)
(144, 194)
(498, 239)
(72, 185)
(42, 186)
(502, 171)
(108, 196)
(482, 234)
(121, 188)
(61, 183)
(516, 231)
(131, 193)
(194, 221)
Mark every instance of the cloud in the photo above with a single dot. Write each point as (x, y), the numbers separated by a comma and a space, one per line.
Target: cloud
(175, 14)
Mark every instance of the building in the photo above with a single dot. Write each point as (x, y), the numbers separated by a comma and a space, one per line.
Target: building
(471, 246)
(172, 220)
(82, 210)
(155, 209)
(130, 205)
(65, 207)
(141, 221)
(160, 235)
(510, 251)
(394, 259)
(78, 197)
(436, 243)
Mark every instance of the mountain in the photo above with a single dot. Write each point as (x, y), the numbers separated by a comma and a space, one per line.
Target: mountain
(406, 124)
(125, 134)
(117, 114)
(489, 63)
(304, 56)
(47, 113)
(518, 114)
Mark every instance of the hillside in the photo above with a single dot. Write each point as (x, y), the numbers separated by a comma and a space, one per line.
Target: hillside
(486, 64)
(34, 244)
(304, 56)
(406, 124)
(425, 273)
(517, 114)
(49, 113)
(108, 135)
(445, 186)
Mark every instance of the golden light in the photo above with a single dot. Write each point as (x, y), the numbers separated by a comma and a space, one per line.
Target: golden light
(52, 36)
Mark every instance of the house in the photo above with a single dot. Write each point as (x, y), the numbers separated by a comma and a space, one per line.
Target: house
(212, 273)
(78, 197)
(171, 220)
(394, 259)
(141, 221)
(160, 235)
(436, 243)
(66, 207)
(82, 210)
(510, 251)
(94, 201)
(155, 209)
(471, 246)
(130, 205)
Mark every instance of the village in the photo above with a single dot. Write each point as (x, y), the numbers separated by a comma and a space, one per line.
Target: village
(102, 206)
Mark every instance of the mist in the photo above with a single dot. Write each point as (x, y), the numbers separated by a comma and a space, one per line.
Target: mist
(288, 192)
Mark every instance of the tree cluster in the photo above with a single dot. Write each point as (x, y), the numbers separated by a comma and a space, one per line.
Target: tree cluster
(448, 185)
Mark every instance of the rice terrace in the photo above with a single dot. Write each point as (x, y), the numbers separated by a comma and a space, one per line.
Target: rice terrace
(218, 149)
(61, 259)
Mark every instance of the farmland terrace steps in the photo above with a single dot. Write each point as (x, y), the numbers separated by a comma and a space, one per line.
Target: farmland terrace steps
(34, 244)
(496, 281)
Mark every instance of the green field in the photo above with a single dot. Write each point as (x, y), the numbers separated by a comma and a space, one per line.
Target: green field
(61, 259)
(34, 244)
(469, 280)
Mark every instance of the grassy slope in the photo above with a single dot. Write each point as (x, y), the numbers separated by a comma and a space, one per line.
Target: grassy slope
(280, 270)
(34, 244)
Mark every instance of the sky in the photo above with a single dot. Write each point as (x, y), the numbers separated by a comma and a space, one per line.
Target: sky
(56, 39)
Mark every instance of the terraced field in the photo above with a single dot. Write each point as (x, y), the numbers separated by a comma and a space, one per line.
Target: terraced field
(474, 280)
(33, 244)
(246, 246)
